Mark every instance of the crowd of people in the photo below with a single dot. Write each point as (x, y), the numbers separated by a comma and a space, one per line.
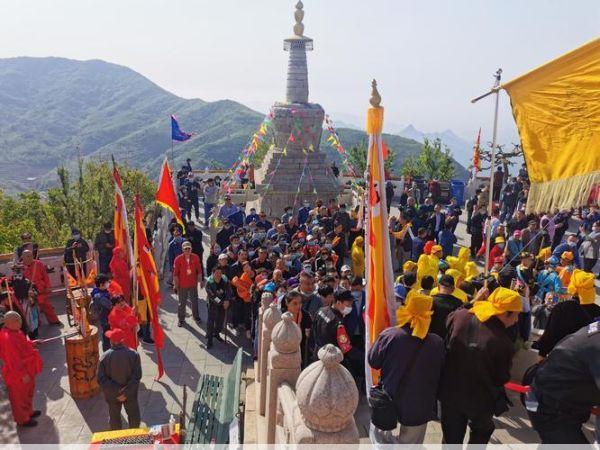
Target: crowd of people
(457, 329)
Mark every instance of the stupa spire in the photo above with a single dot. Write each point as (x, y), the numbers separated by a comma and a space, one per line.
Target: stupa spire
(297, 74)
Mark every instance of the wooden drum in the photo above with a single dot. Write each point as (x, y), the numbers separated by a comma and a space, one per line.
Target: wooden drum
(82, 364)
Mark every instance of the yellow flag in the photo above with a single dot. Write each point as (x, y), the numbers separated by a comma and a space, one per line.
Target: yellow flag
(380, 301)
(557, 110)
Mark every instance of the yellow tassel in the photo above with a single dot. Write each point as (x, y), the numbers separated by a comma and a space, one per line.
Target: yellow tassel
(562, 194)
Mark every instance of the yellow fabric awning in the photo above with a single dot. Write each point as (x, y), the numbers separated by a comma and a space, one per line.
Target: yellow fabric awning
(557, 111)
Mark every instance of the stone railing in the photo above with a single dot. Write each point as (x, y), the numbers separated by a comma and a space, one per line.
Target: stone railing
(313, 406)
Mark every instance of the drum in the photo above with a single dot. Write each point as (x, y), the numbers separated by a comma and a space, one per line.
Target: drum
(82, 364)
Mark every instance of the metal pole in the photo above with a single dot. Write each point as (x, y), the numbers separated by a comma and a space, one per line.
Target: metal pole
(488, 228)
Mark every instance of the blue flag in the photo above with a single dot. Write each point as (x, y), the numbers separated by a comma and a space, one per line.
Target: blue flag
(176, 133)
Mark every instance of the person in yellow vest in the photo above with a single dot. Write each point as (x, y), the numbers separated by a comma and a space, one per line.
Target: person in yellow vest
(566, 268)
(429, 264)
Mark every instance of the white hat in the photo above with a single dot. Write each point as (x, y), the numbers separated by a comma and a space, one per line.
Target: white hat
(223, 256)
(346, 268)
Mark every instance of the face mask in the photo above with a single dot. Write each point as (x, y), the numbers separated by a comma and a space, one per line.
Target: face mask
(347, 310)
(328, 246)
(306, 204)
(501, 245)
(76, 236)
(288, 264)
(343, 210)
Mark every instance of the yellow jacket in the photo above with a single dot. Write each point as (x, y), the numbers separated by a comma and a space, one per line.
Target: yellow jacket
(427, 265)
(358, 257)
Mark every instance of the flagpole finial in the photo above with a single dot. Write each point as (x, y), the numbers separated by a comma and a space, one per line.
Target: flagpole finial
(375, 97)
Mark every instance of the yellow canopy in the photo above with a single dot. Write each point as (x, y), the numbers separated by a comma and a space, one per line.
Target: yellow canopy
(557, 111)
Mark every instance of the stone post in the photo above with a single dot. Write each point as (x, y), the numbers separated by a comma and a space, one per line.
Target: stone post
(265, 301)
(270, 319)
(327, 399)
(283, 366)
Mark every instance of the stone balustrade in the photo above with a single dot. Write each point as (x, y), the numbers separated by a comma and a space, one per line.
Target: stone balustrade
(270, 318)
(284, 362)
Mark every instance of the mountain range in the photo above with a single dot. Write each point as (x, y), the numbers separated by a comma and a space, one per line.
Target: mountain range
(462, 151)
(54, 109)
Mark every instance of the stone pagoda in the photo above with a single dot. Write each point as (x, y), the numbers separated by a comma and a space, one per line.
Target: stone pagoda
(294, 169)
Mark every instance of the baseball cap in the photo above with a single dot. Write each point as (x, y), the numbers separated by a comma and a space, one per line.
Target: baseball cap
(186, 244)
(116, 335)
(345, 268)
(223, 256)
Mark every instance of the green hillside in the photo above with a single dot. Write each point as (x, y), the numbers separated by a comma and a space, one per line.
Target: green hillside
(54, 109)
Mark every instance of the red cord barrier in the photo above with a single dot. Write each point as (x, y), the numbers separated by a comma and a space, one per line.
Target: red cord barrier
(516, 387)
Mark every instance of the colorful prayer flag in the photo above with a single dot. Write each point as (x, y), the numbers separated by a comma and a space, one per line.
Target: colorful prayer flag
(557, 111)
(165, 194)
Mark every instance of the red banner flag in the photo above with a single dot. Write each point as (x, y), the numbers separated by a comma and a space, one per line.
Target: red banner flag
(147, 277)
(165, 194)
(120, 221)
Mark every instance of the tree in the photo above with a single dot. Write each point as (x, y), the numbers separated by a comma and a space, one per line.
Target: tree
(433, 163)
(357, 158)
(504, 157)
(84, 203)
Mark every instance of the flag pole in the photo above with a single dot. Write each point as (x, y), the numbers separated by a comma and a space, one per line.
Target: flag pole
(488, 228)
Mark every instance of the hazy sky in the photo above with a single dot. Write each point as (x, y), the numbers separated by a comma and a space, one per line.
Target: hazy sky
(429, 56)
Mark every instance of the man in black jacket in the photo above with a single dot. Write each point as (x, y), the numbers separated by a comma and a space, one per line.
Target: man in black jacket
(477, 366)
(76, 247)
(104, 244)
(566, 387)
(119, 375)
(443, 304)
(218, 297)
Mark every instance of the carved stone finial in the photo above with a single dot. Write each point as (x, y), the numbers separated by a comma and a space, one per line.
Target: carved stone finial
(326, 393)
(299, 15)
(271, 316)
(375, 97)
(286, 335)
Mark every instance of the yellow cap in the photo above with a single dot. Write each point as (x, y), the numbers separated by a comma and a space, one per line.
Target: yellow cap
(582, 284)
(500, 301)
(567, 255)
(409, 266)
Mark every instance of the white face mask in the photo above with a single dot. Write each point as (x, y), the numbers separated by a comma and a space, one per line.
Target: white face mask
(347, 310)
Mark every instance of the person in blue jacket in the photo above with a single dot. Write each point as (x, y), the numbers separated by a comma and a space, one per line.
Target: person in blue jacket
(100, 306)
